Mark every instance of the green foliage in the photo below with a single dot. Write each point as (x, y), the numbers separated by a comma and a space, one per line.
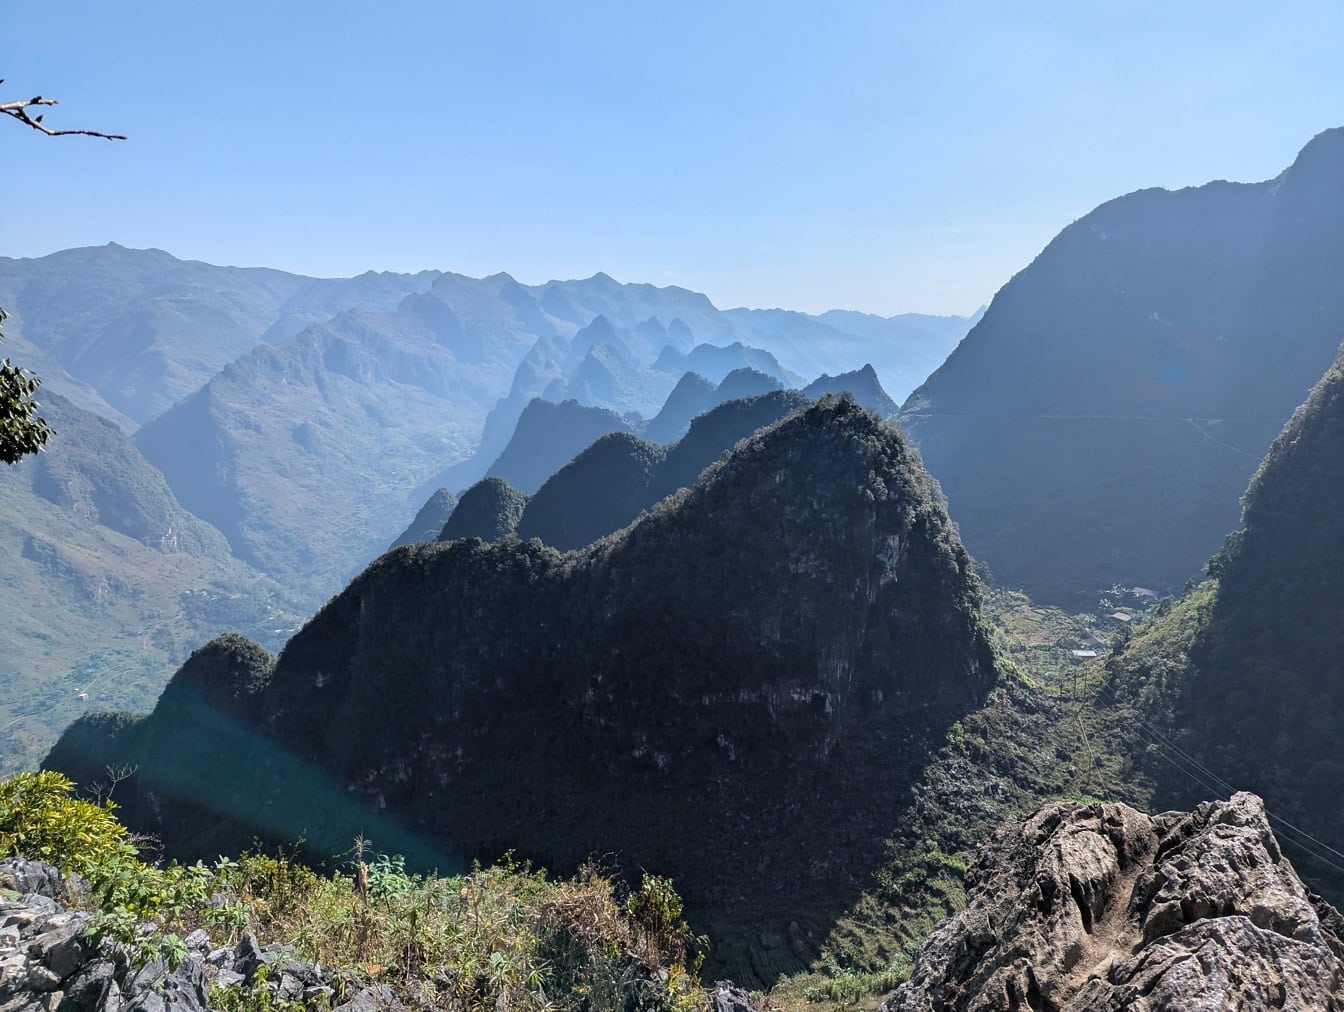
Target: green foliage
(261, 994)
(505, 936)
(22, 430)
(813, 652)
(41, 819)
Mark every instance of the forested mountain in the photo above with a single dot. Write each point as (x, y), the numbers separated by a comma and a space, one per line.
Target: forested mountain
(489, 510)
(144, 329)
(772, 656)
(612, 481)
(1246, 672)
(1099, 423)
(107, 583)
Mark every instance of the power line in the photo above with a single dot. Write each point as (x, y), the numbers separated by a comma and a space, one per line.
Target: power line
(1220, 786)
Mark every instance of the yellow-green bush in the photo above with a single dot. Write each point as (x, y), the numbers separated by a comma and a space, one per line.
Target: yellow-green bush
(41, 819)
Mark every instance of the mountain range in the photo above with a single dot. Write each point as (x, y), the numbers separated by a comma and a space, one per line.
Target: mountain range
(662, 608)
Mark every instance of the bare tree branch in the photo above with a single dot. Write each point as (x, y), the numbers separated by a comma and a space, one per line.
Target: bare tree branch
(21, 110)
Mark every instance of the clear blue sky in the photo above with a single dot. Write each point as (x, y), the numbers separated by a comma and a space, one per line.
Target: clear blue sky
(881, 156)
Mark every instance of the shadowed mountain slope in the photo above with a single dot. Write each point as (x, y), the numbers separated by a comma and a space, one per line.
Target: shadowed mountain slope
(768, 656)
(1100, 422)
(1245, 673)
(430, 520)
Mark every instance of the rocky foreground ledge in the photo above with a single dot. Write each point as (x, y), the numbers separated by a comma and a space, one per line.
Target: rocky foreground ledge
(1102, 908)
(48, 962)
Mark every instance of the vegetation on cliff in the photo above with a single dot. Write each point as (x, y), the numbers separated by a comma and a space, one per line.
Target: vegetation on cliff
(1244, 676)
(795, 634)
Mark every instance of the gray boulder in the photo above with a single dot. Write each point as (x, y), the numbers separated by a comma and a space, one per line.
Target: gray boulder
(1100, 907)
(371, 999)
(728, 997)
(31, 877)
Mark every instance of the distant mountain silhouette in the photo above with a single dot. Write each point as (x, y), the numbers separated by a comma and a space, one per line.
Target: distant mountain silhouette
(862, 383)
(716, 362)
(692, 395)
(145, 329)
(548, 435)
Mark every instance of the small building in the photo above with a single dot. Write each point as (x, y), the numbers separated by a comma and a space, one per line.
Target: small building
(1122, 616)
(1083, 655)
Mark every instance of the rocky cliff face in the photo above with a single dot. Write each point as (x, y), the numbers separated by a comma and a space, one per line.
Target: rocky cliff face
(1100, 907)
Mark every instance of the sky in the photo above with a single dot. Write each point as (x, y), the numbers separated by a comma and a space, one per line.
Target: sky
(882, 156)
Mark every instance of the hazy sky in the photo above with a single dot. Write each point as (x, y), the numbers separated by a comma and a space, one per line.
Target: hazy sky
(881, 156)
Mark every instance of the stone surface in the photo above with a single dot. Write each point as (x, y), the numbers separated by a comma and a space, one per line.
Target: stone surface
(94, 986)
(1100, 907)
(370, 999)
(727, 997)
(248, 957)
(24, 876)
(198, 942)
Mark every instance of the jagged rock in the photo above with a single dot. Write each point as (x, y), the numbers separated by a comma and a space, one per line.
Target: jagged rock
(728, 997)
(155, 988)
(220, 957)
(1100, 907)
(94, 987)
(198, 942)
(31, 877)
(248, 957)
(66, 955)
(370, 999)
(42, 980)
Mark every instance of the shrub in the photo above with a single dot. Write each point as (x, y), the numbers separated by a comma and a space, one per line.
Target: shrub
(41, 819)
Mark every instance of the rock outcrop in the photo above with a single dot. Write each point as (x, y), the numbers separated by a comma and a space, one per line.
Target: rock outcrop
(50, 960)
(1100, 907)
